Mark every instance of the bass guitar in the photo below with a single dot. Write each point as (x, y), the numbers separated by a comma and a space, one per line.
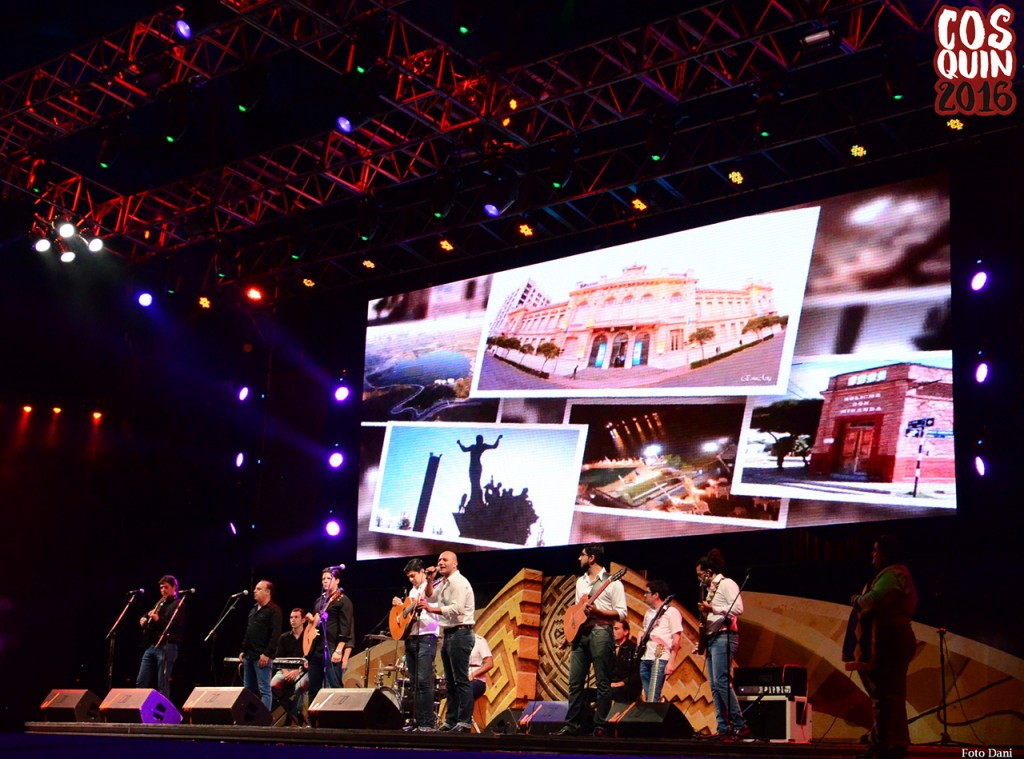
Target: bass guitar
(312, 630)
(576, 617)
(711, 589)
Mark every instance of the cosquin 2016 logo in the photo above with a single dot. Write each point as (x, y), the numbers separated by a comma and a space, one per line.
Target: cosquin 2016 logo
(974, 61)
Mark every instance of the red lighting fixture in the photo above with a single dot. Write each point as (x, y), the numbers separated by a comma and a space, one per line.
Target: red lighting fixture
(27, 409)
(254, 294)
(858, 151)
(445, 245)
(638, 204)
(204, 302)
(369, 264)
(96, 416)
(526, 230)
(736, 177)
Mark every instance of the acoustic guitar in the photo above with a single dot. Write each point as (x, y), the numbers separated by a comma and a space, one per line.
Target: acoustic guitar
(702, 640)
(575, 617)
(312, 630)
(400, 618)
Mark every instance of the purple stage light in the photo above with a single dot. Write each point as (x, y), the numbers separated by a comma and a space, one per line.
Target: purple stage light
(183, 29)
(231, 526)
(341, 393)
(491, 210)
(979, 465)
(978, 280)
(344, 125)
(243, 393)
(239, 459)
(332, 528)
(145, 300)
(335, 459)
(981, 373)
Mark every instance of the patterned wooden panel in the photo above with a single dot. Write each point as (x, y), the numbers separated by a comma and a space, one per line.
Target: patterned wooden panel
(984, 702)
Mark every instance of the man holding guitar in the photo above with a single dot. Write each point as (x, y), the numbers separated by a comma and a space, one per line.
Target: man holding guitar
(328, 634)
(719, 639)
(419, 629)
(662, 640)
(600, 601)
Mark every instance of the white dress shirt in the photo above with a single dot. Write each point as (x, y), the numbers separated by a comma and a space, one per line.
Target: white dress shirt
(665, 629)
(613, 598)
(726, 599)
(425, 623)
(476, 657)
(455, 600)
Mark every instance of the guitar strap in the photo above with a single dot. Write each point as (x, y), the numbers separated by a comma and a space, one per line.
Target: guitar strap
(642, 645)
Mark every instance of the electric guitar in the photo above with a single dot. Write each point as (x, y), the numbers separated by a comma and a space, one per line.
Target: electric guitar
(313, 628)
(576, 617)
(652, 685)
(702, 641)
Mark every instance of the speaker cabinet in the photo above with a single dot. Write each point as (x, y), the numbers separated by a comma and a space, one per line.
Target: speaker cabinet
(356, 708)
(506, 722)
(780, 719)
(70, 705)
(543, 717)
(642, 720)
(139, 705)
(231, 705)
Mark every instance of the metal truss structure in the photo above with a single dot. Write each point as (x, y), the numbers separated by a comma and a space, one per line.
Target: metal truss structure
(700, 78)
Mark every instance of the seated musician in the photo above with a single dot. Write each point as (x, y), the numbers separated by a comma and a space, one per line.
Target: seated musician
(290, 684)
(625, 669)
(481, 661)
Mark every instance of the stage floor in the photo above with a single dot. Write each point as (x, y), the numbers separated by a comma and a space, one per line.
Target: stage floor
(83, 740)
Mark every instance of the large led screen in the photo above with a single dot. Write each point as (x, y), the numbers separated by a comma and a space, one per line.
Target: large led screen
(788, 368)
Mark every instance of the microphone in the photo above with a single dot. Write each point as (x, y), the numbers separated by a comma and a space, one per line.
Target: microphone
(186, 591)
(337, 566)
(137, 592)
(240, 593)
(431, 571)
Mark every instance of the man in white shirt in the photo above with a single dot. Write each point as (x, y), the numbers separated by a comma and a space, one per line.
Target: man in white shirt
(721, 606)
(594, 644)
(421, 648)
(454, 609)
(662, 636)
(481, 661)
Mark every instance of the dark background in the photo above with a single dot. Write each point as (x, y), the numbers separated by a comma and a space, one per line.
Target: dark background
(89, 512)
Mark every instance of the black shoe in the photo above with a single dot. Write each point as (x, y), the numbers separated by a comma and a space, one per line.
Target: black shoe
(742, 733)
(446, 728)
(461, 729)
(568, 730)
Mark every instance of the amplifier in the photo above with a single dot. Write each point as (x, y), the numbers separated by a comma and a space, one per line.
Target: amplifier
(778, 719)
(788, 680)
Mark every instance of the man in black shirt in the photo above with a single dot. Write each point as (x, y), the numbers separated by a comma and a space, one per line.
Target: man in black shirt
(259, 646)
(292, 680)
(158, 661)
(625, 672)
(332, 614)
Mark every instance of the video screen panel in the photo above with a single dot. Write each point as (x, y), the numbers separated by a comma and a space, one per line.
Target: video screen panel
(745, 375)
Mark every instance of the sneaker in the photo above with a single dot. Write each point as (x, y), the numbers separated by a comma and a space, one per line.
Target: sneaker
(409, 729)
(743, 733)
(426, 729)
(567, 730)
(461, 729)
(447, 728)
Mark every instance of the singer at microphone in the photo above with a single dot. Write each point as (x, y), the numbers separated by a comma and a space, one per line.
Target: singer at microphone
(332, 619)
(158, 660)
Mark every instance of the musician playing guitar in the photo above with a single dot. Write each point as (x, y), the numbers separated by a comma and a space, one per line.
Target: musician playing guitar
(420, 630)
(602, 603)
(721, 606)
(331, 623)
(662, 639)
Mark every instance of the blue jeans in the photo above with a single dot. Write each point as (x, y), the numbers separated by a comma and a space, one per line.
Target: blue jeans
(318, 675)
(420, 651)
(455, 651)
(721, 651)
(157, 662)
(649, 667)
(257, 679)
(598, 648)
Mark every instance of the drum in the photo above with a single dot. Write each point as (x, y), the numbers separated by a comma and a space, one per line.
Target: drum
(392, 695)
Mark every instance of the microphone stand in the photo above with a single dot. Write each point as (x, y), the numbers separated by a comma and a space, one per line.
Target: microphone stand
(728, 649)
(212, 635)
(112, 638)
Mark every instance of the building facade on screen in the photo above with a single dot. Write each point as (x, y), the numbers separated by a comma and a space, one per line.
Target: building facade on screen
(877, 424)
(638, 319)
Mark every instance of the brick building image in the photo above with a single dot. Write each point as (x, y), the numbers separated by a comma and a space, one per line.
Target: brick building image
(863, 431)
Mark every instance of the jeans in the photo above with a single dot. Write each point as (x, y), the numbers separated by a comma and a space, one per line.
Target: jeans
(598, 648)
(455, 651)
(157, 662)
(332, 675)
(721, 651)
(420, 651)
(297, 690)
(257, 679)
(651, 669)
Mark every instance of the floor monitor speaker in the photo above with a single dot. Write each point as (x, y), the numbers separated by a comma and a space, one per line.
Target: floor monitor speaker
(642, 720)
(139, 705)
(232, 705)
(71, 705)
(361, 708)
